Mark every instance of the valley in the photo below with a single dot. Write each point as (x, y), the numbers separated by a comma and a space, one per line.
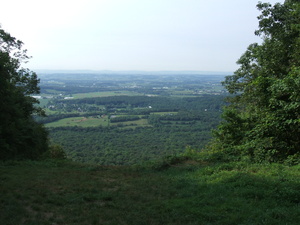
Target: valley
(124, 119)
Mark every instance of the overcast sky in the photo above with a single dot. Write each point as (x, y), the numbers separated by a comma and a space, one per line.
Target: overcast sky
(205, 35)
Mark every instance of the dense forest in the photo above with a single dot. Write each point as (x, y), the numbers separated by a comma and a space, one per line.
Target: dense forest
(132, 129)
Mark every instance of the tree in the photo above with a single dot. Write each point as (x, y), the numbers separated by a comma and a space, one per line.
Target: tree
(263, 118)
(20, 135)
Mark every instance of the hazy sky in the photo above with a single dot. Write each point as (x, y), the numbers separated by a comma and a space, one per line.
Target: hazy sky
(206, 35)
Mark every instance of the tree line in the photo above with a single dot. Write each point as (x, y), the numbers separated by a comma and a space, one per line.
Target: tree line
(153, 103)
(262, 121)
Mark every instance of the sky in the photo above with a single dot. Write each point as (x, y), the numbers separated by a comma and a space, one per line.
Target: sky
(149, 35)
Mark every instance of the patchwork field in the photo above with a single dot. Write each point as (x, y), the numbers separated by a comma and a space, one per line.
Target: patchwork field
(105, 94)
(79, 121)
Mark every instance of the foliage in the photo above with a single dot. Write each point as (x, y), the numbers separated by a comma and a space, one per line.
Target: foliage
(263, 119)
(140, 104)
(55, 152)
(126, 136)
(116, 146)
(124, 118)
(20, 135)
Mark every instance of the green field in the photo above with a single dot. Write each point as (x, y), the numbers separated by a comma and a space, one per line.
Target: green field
(79, 121)
(163, 113)
(93, 122)
(105, 94)
(43, 102)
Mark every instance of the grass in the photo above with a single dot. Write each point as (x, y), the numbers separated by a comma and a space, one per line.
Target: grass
(93, 122)
(79, 121)
(105, 94)
(186, 192)
(164, 113)
(43, 102)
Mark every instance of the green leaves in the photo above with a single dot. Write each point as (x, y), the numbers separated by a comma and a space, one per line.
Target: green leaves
(20, 137)
(263, 118)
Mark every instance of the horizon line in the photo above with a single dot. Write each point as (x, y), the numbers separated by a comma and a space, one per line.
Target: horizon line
(132, 71)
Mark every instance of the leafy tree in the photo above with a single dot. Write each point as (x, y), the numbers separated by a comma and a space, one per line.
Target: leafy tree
(263, 118)
(20, 135)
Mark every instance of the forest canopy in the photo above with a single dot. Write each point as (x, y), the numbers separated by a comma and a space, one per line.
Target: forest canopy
(262, 121)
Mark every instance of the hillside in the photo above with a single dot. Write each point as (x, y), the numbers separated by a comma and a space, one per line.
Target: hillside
(182, 192)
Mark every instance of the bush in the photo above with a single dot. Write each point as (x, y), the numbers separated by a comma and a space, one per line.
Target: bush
(55, 152)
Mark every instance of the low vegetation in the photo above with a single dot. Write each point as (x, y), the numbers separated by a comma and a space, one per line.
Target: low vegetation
(172, 191)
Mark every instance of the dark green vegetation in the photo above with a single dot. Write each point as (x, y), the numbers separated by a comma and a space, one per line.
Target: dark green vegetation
(125, 119)
(20, 135)
(121, 130)
(122, 119)
(190, 192)
(263, 120)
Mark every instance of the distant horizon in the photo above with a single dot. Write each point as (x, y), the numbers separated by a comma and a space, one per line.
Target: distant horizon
(155, 35)
(149, 72)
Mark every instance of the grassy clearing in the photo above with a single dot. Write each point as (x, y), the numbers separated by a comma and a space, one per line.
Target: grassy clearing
(105, 94)
(189, 192)
(93, 122)
(43, 102)
(164, 113)
(79, 121)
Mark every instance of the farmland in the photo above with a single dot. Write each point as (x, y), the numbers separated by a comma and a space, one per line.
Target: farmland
(127, 119)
